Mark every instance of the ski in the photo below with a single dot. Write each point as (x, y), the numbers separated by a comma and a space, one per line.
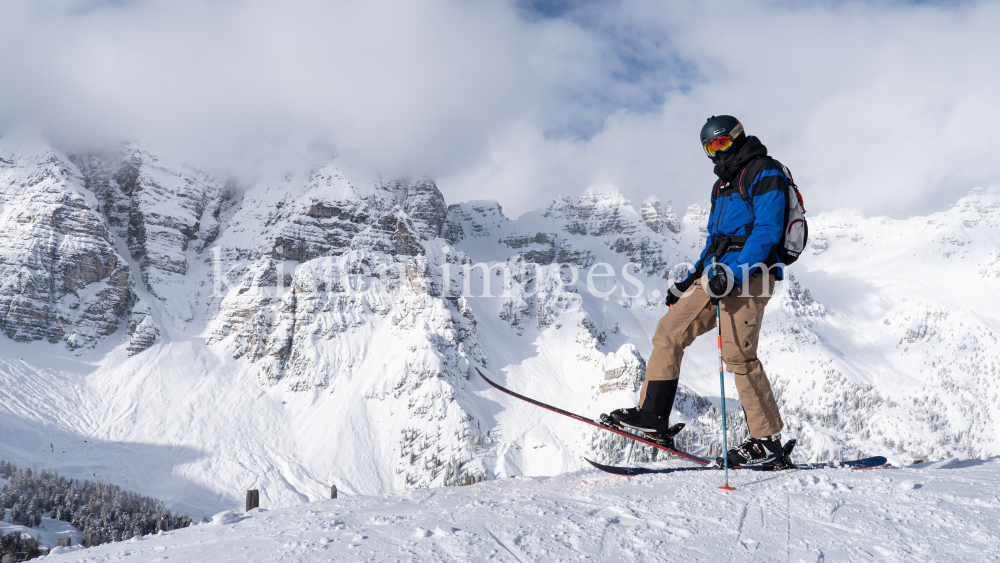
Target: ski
(786, 453)
(858, 464)
(596, 423)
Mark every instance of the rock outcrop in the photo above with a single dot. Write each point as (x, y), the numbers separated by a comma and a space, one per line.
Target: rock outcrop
(473, 219)
(162, 209)
(62, 279)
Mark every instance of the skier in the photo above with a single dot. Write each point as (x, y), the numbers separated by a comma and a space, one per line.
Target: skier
(745, 226)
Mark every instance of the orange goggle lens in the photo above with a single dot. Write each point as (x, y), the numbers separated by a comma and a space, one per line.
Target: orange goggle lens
(718, 144)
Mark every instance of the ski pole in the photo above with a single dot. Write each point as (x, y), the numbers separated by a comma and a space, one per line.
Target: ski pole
(722, 389)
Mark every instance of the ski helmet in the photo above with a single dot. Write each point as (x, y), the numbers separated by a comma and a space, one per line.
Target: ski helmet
(721, 126)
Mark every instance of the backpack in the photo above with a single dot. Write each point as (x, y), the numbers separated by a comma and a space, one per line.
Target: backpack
(796, 230)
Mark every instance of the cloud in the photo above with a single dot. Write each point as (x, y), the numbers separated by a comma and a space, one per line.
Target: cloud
(886, 107)
(875, 107)
(408, 86)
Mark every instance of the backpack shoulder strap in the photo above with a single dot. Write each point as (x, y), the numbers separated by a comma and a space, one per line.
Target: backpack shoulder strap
(793, 188)
(741, 180)
(785, 171)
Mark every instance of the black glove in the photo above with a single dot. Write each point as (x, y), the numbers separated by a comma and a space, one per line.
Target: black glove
(719, 286)
(678, 289)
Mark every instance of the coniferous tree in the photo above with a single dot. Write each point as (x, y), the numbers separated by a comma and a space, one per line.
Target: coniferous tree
(102, 509)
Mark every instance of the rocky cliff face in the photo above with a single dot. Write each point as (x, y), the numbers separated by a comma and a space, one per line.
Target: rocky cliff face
(473, 219)
(658, 219)
(299, 251)
(165, 213)
(161, 209)
(326, 268)
(63, 279)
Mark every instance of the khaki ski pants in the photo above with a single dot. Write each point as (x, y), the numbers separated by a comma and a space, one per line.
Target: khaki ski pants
(694, 315)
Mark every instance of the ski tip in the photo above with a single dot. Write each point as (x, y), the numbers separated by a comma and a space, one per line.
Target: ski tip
(620, 471)
(484, 378)
(789, 446)
(877, 462)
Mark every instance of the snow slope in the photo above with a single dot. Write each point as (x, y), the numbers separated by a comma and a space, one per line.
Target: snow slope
(313, 331)
(47, 534)
(945, 511)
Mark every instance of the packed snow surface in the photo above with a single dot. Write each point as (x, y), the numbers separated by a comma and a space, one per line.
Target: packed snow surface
(944, 511)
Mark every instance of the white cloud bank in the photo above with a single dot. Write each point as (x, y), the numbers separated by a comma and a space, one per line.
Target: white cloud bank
(890, 108)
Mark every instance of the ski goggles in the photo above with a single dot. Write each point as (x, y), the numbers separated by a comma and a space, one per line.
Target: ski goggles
(722, 143)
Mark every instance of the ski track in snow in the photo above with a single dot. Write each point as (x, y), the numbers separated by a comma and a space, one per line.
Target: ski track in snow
(945, 511)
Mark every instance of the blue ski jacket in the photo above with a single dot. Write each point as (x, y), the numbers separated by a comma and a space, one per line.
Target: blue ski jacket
(748, 214)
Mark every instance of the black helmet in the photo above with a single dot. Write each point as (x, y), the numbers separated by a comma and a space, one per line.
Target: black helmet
(718, 126)
(721, 125)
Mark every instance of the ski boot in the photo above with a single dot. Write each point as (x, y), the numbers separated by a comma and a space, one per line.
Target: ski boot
(654, 428)
(764, 452)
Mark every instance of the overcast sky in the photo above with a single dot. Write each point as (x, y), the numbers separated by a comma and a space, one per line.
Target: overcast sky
(890, 108)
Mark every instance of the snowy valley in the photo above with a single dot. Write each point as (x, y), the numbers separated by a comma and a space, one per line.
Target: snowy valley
(190, 339)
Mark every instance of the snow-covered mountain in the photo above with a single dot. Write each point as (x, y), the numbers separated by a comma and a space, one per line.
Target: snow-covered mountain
(191, 340)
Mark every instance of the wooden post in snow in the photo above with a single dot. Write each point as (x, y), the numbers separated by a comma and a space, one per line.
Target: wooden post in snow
(333, 491)
(253, 499)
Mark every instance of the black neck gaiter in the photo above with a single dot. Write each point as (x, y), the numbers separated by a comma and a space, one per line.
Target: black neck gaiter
(720, 160)
(729, 163)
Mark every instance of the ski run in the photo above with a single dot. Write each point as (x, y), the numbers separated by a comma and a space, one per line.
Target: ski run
(943, 511)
